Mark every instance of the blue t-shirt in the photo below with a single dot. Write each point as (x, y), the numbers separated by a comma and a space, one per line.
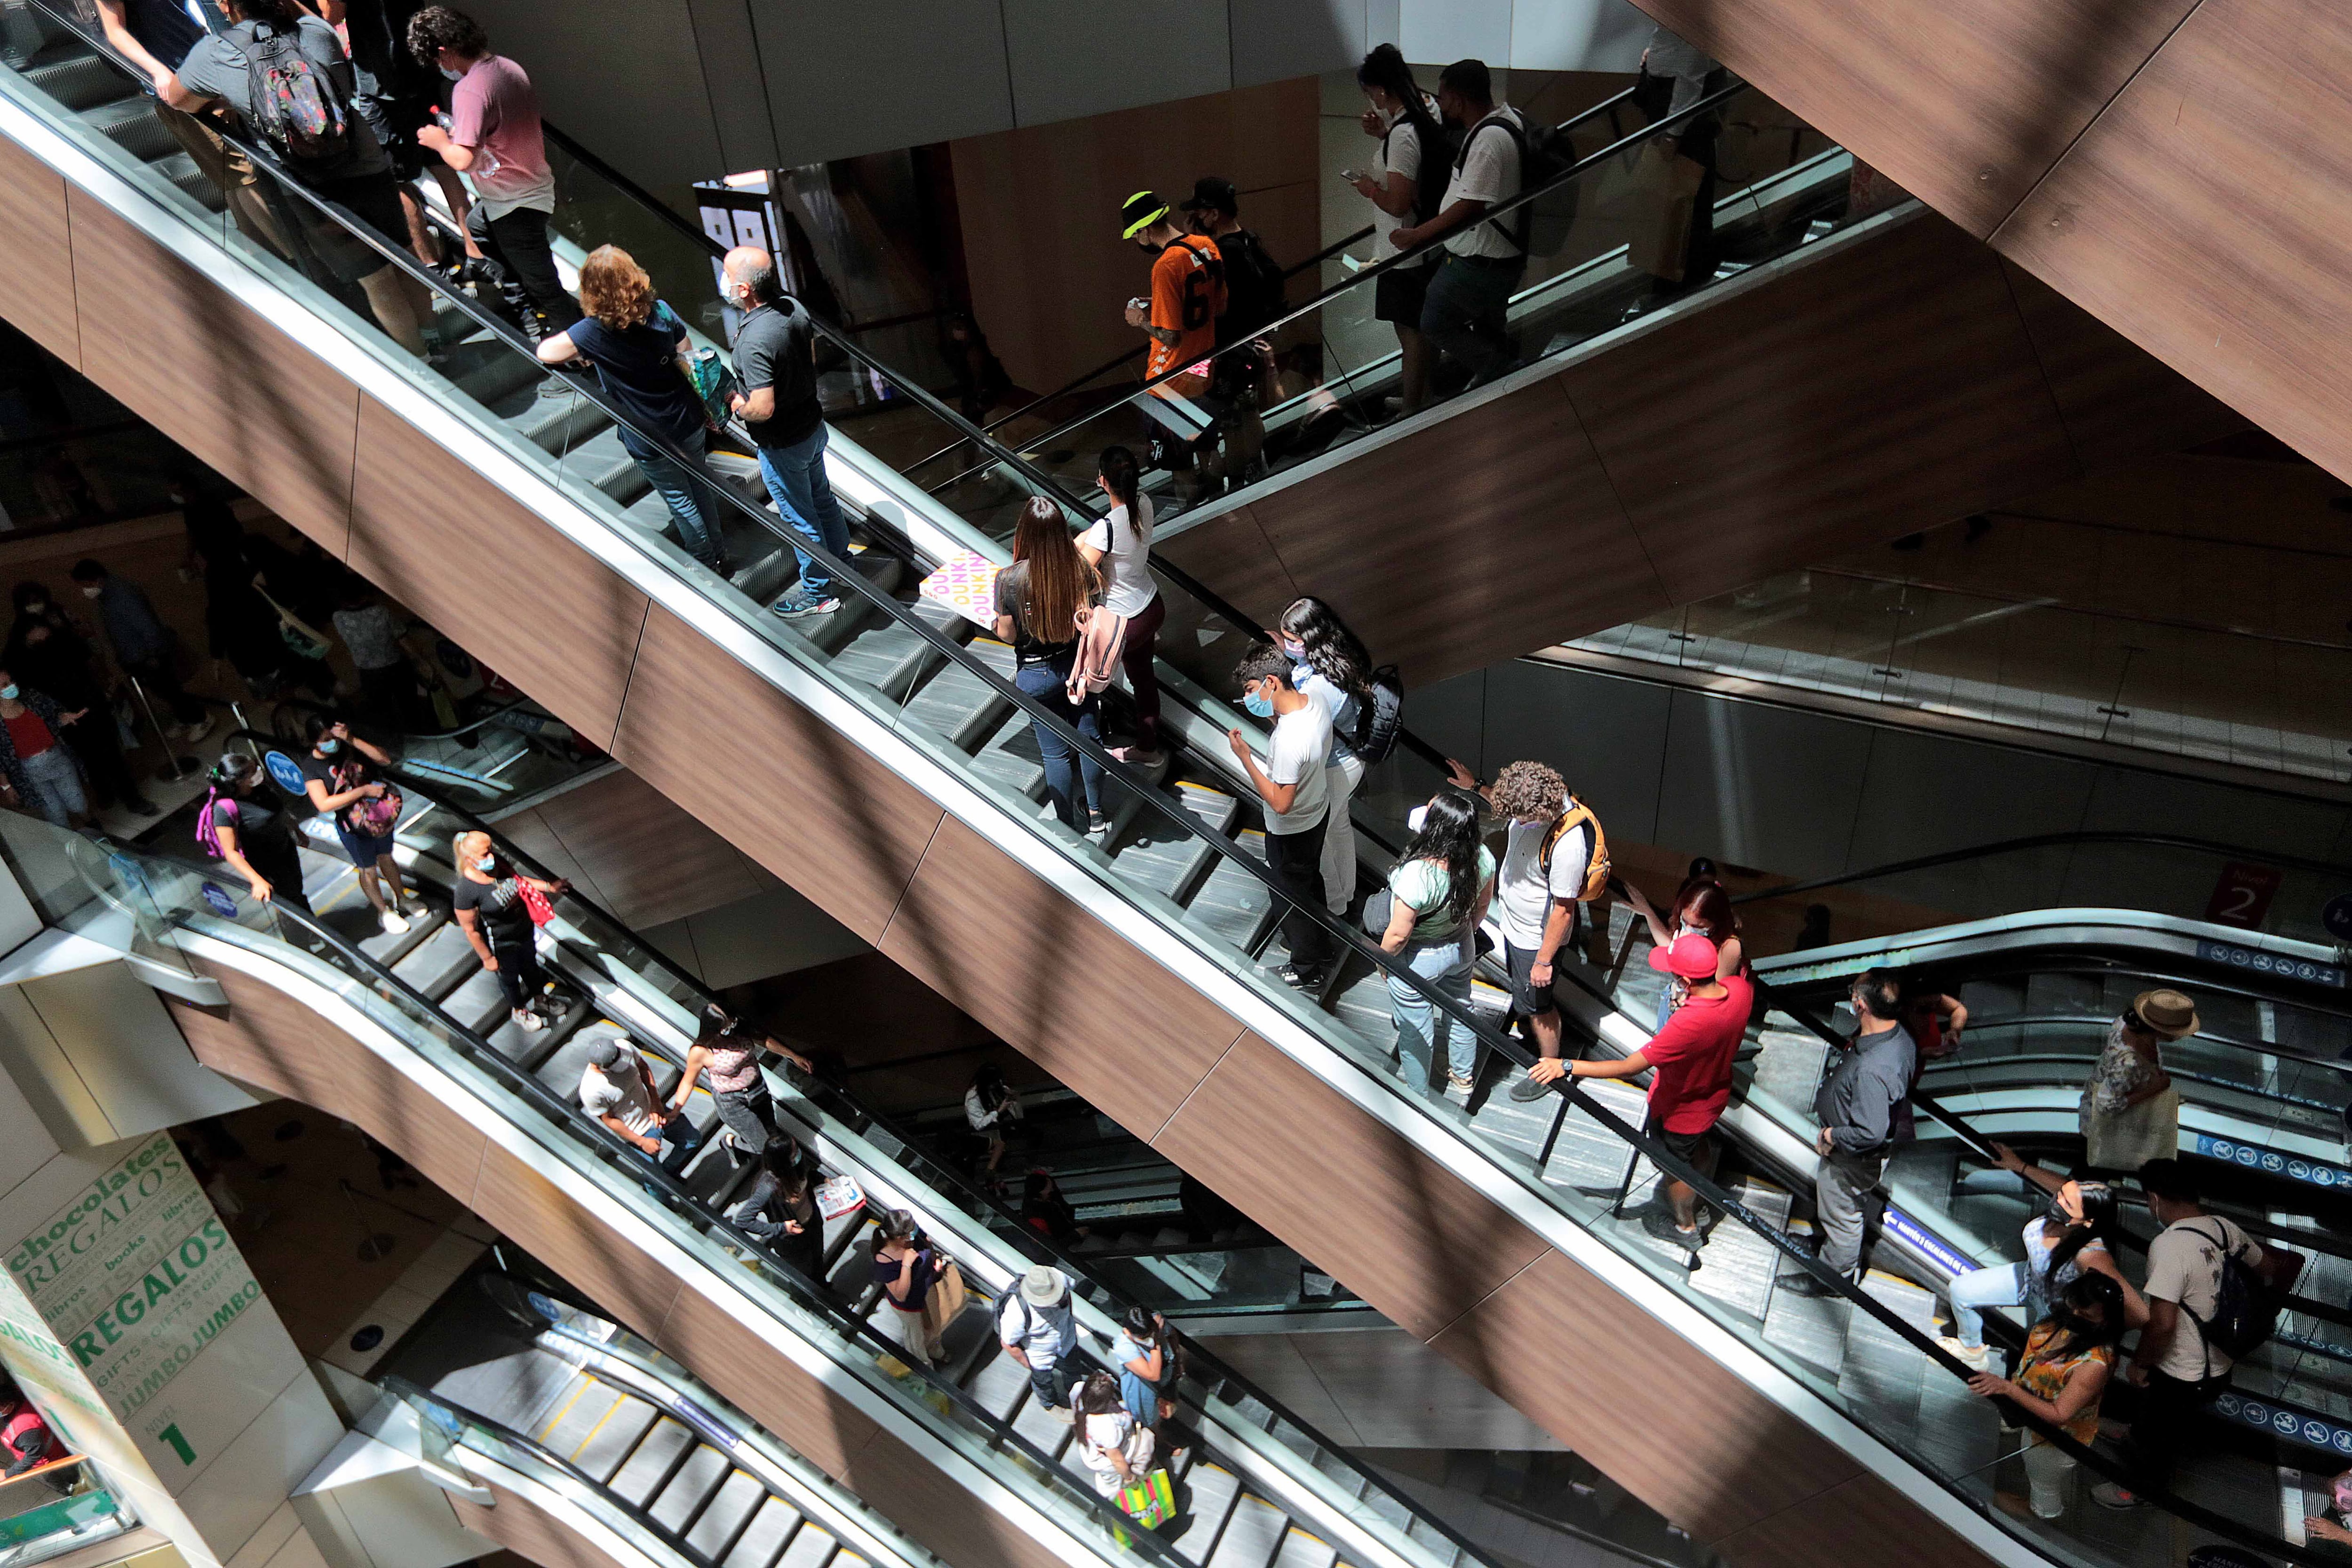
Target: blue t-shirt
(638, 367)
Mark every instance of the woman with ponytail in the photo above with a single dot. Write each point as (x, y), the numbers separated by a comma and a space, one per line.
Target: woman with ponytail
(1440, 890)
(1119, 548)
(1043, 602)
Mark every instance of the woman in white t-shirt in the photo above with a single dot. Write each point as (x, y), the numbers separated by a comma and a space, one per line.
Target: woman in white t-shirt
(1406, 123)
(1329, 664)
(1113, 1446)
(1119, 546)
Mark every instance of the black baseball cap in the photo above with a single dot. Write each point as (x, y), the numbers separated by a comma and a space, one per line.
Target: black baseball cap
(1216, 191)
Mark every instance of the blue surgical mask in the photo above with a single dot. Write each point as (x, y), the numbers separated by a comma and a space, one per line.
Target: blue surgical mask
(1293, 648)
(328, 748)
(8, 691)
(1259, 705)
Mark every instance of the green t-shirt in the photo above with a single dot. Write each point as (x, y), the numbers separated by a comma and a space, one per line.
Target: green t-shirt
(1424, 886)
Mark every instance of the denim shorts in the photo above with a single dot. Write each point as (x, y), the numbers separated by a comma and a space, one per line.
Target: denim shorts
(363, 849)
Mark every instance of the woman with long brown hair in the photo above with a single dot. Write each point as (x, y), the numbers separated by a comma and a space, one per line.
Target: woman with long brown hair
(1043, 601)
(634, 341)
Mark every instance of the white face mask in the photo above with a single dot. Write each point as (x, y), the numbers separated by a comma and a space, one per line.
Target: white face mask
(91, 590)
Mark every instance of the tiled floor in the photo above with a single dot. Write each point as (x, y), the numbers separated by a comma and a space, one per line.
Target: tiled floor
(311, 1194)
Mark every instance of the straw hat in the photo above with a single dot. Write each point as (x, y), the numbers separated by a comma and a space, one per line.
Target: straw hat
(2169, 1014)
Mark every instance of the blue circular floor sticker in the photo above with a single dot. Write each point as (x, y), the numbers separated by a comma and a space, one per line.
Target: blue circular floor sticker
(223, 905)
(283, 771)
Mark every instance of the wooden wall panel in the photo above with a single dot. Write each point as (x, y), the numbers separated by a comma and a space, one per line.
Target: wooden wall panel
(819, 1425)
(938, 1513)
(1407, 1235)
(2206, 215)
(1689, 1438)
(1231, 555)
(36, 286)
(527, 1530)
(783, 784)
(634, 850)
(266, 1038)
(1965, 102)
(538, 1212)
(1049, 978)
(2120, 405)
(474, 562)
(1851, 1523)
(1883, 388)
(213, 375)
(1429, 546)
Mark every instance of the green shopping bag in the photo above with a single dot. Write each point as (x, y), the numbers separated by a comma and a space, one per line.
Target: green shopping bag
(1150, 1501)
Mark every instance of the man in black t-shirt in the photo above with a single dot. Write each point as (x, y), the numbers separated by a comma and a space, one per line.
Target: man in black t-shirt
(775, 359)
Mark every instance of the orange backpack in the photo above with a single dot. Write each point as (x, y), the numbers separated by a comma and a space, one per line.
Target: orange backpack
(1596, 869)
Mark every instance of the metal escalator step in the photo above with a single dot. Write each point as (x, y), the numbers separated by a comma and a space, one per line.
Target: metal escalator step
(1300, 1550)
(681, 1500)
(811, 1546)
(725, 1516)
(1214, 1492)
(1360, 1000)
(764, 1537)
(444, 960)
(569, 1421)
(81, 83)
(953, 701)
(1010, 760)
(612, 1439)
(657, 1456)
(1157, 854)
(1000, 1384)
(1230, 904)
(886, 656)
(1252, 1534)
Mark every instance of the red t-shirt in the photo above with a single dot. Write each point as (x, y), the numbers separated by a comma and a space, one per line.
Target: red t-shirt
(1692, 1058)
(30, 732)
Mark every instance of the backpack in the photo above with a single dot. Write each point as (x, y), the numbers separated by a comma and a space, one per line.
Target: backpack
(297, 106)
(1379, 718)
(208, 831)
(1428, 194)
(1546, 152)
(1253, 283)
(376, 818)
(1596, 869)
(2245, 1307)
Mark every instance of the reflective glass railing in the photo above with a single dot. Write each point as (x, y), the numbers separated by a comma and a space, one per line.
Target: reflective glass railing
(918, 679)
(63, 1506)
(1225, 420)
(2210, 692)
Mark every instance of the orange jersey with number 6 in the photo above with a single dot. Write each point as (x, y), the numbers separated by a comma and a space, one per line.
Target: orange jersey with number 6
(1188, 295)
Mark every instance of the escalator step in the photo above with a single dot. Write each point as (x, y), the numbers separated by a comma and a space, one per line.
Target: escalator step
(764, 1537)
(739, 1498)
(1230, 905)
(1252, 1534)
(615, 1438)
(657, 1456)
(578, 1414)
(954, 702)
(444, 959)
(886, 656)
(810, 1547)
(682, 1499)
(1300, 1550)
(1215, 1490)
(1009, 758)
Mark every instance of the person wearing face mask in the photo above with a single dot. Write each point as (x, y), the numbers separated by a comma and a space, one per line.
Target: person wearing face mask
(364, 811)
(43, 775)
(2335, 1526)
(48, 653)
(1328, 663)
(2070, 1358)
(2061, 1244)
(143, 646)
(775, 360)
(1466, 312)
(251, 834)
(1297, 795)
(488, 903)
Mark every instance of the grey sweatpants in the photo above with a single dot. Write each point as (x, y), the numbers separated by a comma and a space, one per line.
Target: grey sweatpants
(1842, 1196)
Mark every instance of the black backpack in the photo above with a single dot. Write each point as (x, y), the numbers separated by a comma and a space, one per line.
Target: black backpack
(1380, 717)
(1440, 144)
(2245, 1307)
(297, 109)
(1546, 152)
(1254, 287)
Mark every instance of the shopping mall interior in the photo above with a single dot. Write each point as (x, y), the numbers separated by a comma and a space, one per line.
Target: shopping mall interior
(1017, 784)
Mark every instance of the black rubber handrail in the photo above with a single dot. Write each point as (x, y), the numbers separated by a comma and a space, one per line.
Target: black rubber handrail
(2045, 841)
(1412, 257)
(332, 710)
(844, 1107)
(1606, 106)
(632, 1165)
(2047, 1059)
(2101, 1020)
(1180, 821)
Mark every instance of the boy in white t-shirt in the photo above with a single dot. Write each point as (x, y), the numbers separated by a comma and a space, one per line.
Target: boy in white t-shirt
(1297, 801)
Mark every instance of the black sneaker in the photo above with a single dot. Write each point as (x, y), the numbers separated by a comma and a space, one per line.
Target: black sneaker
(1662, 1226)
(1526, 1091)
(1806, 1285)
(1299, 979)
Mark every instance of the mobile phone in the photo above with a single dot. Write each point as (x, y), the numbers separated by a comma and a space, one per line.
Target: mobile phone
(1349, 176)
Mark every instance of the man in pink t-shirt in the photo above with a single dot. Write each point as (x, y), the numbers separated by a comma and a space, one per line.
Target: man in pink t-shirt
(493, 138)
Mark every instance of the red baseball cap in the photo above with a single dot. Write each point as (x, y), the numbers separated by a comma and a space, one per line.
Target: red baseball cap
(1692, 957)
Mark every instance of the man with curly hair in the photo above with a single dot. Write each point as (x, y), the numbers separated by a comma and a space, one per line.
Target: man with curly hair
(1536, 892)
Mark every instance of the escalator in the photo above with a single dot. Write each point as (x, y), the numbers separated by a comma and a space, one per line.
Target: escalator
(894, 770)
(1255, 1483)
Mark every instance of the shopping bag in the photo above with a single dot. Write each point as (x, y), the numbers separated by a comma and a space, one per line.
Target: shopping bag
(838, 1195)
(1150, 1501)
(965, 583)
(946, 1301)
(1665, 185)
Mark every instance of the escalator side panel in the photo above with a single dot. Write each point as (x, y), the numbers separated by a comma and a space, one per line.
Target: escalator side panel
(266, 1038)
(533, 1533)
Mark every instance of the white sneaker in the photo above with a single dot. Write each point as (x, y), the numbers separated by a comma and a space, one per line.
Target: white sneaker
(529, 1022)
(1980, 1357)
(1062, 1412)
(199, 730)
(391, 922)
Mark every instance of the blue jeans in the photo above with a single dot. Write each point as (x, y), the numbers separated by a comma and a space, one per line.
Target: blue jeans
(680, 1140)
(1467, 314)
(687, 493)
(1042, 682)
(1446, 966)
(803, 498)
(1970, 1294)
